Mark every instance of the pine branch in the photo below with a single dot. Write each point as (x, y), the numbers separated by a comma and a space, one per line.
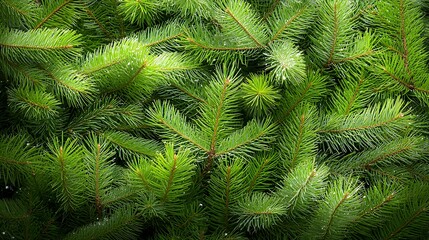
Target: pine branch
(140, 176)
(410, 220)
(286, 63)
(191, 222)
(255, 136)
(172, 175)
(302, 186)
(18, 159)
(24, 76)
(411, 217)
(66, 173)
(259, 211)
(116, 71)
(336, 212)
(129, 146)
(139, 12)
(100, 168)
(174, 67)
(129, 117)
(216, 47)
(162, 37)
(404, 150)
(272, 113)
(225, 187)
(191, 93)
(379, 202)
(193, 9)
(311, 90)
(70, 86)
(23, 217)
(379, 123)
(332, 31)
(260, 172)
(419, 171)
(34, 105)
(259, 95)
(31, 46)
(364, 46)
(98, 22)
(298, 137)
(218, 116)
(103, 59)
(99, 115)
(193, 214)
(271, 9)
(186, 95)
(103, 115)
(151, 207)
(394, 69)
(173, 126)
(403, 35)
(406, 63)
(119, 196)
(359, 55)
(399, 153)
(355, 93)
(123, 223)
(57, 13)
(17, 13)
(291, 21)
(130, 81)
(238, 19)
(219, 48)
(14, 210)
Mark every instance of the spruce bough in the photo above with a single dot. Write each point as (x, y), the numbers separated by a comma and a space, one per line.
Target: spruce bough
(229, 119)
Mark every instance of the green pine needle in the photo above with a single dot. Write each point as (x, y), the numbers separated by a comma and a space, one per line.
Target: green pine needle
(18, 158)
(139, 11)
(31, 46)
(124, 223)
(259, 211)
(370, 126)
(259, 96)
(34, 105)
(67, 173)
(129, 146)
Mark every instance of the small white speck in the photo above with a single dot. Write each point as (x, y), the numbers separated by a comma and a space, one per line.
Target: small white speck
(226, 234)
(201, 205)
(3, 233)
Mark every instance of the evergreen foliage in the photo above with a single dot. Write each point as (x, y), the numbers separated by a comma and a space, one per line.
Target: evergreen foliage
(228, 119)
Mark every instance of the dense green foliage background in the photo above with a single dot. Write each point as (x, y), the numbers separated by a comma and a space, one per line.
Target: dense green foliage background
(227, 119)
